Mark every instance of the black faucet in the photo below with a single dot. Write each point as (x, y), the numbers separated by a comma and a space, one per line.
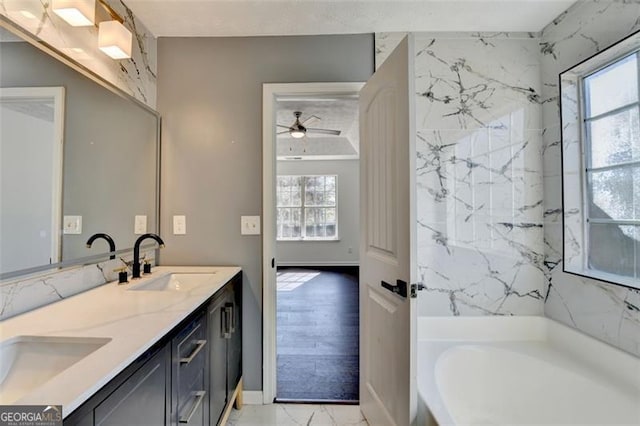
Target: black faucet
(136, 252)
(107, 238)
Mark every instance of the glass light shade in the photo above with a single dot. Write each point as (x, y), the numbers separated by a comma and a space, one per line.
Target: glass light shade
(297, 134)
(114, 40)
(24, 12)
(77, 13)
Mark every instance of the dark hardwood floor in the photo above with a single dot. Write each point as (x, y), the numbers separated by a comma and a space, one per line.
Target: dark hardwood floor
(317, 329)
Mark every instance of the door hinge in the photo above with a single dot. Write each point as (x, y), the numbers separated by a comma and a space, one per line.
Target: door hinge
(415, 288)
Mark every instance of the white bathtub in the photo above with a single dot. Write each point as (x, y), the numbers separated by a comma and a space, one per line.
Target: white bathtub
(522, 371)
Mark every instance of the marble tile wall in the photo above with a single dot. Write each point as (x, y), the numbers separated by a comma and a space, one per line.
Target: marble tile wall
(479, 172)
(24, 294)
(136, 76)
(608, 312)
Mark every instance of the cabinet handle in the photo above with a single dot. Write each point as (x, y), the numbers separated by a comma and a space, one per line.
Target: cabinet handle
(224, 323)
(232, 319)
(200, 345)
(199, 398)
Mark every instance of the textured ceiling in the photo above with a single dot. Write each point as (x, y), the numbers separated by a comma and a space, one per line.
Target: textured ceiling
(179, 18)
(335, 113)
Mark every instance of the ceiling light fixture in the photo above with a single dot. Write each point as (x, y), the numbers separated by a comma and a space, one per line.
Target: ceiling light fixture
(297, 133)
(77, 13)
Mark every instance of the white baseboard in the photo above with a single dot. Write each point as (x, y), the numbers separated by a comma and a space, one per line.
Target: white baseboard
(330, 263)
(252, 397)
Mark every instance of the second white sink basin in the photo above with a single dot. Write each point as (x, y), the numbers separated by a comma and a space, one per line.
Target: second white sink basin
(27, 362)
(173, 282)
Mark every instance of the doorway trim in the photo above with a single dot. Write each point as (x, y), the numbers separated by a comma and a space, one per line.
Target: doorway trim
(269, 94)
(56, 95)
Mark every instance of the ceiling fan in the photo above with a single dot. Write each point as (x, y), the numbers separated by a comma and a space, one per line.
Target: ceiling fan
(298, 129)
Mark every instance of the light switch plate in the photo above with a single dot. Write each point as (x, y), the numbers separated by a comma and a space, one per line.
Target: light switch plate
(179, 225)
(72, 225)
(140, 226)
(250, 225)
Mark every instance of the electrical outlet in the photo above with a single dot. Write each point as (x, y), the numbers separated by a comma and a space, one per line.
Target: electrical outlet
(140, 225)
(250, 225)
(72, 225)
(179, 225)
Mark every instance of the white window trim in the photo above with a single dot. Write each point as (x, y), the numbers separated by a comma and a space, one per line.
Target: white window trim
(304, 238)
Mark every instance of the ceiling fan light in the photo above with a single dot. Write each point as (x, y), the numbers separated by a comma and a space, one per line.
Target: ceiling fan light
(297, 134)
(77, 13)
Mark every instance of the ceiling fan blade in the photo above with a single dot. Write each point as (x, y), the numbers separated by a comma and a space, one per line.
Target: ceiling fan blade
(280, 125)
(311, 119)
(324, 131)
(282, 133)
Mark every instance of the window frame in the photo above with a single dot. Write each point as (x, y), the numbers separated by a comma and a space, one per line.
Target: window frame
(303, 207)
(578, 123)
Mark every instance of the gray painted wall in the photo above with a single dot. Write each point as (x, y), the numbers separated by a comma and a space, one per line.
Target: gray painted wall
(327, 252)
(210, 97)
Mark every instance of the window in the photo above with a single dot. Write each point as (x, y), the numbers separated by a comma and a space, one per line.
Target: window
(612, 166)
(611, 116)
(307, 208)
(600, 110)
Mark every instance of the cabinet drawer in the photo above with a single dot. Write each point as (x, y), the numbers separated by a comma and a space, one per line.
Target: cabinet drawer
(193, 401)
(191, 353)
(190, 389)
(191, 342)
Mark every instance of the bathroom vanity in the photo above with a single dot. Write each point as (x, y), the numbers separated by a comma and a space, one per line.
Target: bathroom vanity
(162, 350)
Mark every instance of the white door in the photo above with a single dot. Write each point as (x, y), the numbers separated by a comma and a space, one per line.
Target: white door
(387, 242)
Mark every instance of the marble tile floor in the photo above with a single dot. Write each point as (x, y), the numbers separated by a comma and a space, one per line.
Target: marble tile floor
(297, 414)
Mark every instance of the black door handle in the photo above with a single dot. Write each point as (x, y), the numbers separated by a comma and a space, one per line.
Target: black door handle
(273, 262)
(400, 288)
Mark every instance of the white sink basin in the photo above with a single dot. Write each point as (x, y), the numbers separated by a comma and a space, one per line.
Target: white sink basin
(27, 362)
(173, 282)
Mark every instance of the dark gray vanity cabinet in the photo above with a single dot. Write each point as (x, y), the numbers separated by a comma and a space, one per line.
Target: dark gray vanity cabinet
(186, 378)
(217, 318)
(145, 388)
(144, 383)
(225, 333)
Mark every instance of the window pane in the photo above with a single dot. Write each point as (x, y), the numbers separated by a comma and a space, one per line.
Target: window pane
(612, 87)
(330, 183)
(615, 194)
(296, 196)
(330, 220)
(614, 249)
(331, 199)
(615, 139)
(285, 197)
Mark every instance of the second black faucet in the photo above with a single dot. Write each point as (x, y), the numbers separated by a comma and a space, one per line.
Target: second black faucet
(136, 252)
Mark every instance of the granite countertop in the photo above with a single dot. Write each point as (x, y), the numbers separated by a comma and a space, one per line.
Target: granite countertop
(133, 320)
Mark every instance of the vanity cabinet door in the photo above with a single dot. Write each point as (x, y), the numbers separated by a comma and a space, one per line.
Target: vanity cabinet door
(234, 348)
(218, 325)
(141, 399)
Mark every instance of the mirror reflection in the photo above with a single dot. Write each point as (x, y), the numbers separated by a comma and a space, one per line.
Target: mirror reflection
(75, 159)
